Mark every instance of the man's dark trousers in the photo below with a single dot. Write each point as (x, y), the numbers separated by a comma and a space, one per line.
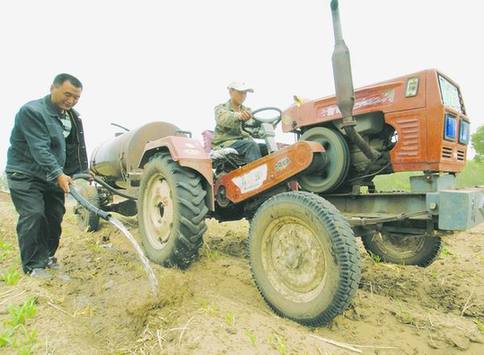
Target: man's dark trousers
(248, 149)
(40, 205)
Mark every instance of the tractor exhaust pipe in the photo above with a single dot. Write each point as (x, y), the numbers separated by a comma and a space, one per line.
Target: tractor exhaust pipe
(343, 82)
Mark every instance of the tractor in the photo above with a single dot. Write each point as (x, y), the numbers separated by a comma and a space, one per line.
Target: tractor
(308, 201)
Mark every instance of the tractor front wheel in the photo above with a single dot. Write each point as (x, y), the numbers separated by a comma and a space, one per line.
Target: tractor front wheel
(403, 249)
(304, 257)
(171, 212)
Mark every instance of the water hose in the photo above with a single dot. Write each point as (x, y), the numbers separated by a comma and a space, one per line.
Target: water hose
(90, 177)
(89, 206)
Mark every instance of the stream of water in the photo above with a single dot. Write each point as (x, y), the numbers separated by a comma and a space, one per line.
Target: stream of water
(144, 260)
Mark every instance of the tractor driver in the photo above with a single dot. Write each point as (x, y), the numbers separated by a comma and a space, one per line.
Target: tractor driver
(229, 117)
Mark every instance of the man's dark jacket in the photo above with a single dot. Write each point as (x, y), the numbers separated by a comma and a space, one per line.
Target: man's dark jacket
(37, 144)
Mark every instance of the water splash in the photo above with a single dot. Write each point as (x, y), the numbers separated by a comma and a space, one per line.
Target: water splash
(144, 260)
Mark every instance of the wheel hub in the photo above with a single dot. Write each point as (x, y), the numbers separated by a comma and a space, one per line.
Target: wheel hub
(158, 212)
(294, 259)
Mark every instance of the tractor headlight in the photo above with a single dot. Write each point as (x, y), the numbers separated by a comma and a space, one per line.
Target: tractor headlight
(450, 127)
(464, 131)
(412, 87)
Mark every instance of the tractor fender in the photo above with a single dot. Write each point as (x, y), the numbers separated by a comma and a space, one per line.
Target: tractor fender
(188, 153)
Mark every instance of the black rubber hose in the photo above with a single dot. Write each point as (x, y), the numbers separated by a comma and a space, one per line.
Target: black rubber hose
(85, 203)
(90, 177)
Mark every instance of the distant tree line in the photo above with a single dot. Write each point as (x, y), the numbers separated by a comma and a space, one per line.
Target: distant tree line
(478, 143)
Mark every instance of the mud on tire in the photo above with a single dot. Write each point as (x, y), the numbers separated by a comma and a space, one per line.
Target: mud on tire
(171, 212)
(304, 257)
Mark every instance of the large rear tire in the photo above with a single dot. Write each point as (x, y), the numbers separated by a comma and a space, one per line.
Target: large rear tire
(304, 257)
(401, 249)
(171, 212)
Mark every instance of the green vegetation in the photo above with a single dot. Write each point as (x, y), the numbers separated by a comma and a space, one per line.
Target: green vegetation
(5, 250)
(278, 343)
(472, 175)
(11, 276)
(445, 251)
(251, 336)
(19, 314)
(478, 143)
(404, 315)
(230, 319)
(16, 333)
(375, 258)
(479, 325)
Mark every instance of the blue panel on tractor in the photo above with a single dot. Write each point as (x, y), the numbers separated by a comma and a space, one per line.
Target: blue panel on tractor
(464, 132)
(450, 127)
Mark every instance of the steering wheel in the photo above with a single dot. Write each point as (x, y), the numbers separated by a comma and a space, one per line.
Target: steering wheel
(274, 120)
(255, 122)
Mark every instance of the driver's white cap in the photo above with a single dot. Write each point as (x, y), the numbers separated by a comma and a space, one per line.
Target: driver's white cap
(240, 86)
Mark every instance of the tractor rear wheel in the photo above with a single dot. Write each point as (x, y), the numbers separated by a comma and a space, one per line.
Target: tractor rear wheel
(171, 212)
(304, 257)
(403, 249)
(86, 220)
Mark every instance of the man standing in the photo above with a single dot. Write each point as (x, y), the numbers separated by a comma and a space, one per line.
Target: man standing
(229, 118)
(46, 147)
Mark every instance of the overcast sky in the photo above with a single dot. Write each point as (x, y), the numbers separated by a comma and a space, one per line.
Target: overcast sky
(142, 61)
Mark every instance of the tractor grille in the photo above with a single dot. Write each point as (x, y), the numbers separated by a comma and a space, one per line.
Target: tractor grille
(461, 155)
(409, 138)
(447, 152)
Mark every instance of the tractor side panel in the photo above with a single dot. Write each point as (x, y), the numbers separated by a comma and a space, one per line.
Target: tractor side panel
(262, 174)
(384, 97)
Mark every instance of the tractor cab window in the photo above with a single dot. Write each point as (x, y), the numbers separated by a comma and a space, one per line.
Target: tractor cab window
(450, 95)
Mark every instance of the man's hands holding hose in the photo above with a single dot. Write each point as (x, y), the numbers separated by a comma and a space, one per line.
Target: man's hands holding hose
(63, 181)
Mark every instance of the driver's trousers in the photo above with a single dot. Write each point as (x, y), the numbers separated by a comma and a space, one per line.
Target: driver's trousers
(248, 149)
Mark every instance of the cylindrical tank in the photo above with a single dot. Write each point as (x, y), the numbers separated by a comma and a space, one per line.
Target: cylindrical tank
(113, 159)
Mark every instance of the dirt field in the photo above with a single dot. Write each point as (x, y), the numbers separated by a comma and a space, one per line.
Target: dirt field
(214, 307)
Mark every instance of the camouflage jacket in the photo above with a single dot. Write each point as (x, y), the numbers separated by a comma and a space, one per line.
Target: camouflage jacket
(229, 128)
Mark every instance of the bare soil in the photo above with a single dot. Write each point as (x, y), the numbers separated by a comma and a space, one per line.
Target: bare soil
(214, 306)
